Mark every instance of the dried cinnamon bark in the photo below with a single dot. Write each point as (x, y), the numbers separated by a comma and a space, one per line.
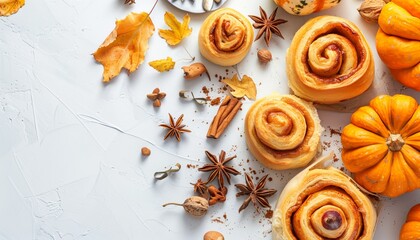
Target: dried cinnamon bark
(225, 114)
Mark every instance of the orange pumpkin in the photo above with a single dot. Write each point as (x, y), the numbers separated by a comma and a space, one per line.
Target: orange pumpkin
(381, 145)
(398, 40)
(411, 228)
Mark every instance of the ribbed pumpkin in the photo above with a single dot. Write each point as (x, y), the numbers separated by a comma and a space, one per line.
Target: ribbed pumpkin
(411, 228)
(398, 40)
(381, 145)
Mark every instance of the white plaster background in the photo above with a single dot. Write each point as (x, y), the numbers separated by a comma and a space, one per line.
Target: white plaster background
(70, 164)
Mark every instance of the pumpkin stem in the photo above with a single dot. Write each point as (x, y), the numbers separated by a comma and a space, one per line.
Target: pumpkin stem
(395, 142)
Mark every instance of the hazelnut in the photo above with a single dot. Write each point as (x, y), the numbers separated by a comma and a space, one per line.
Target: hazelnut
(370, 9)
(213, 235)
(145, 151)
(264, 55)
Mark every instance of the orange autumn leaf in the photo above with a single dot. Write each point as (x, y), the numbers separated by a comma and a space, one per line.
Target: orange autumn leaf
(163, 65)
(178, 30)
(243, 87)
(9, 7)
(126, 45)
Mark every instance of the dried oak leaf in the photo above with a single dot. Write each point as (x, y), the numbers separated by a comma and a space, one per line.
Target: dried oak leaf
(126, 45)
(243, 87)
(178, 30)
(9, 7)
(163, 65)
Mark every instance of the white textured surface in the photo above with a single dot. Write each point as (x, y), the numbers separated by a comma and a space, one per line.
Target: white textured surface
(70, 164)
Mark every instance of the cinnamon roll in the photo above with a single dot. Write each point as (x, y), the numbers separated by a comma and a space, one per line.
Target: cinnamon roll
(225, 37)
(329, 61)
(283, 131)
(323, 203)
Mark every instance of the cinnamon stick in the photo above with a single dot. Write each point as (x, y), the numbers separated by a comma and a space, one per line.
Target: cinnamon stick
(225, 114)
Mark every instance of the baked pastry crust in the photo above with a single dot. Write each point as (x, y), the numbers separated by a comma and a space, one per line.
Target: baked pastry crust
(225, 37)
(329, 61)
(312, 193)
(283, 131)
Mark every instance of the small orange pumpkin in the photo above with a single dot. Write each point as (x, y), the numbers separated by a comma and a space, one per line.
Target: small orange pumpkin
(398, 40)
(411, 228)
(381, 145)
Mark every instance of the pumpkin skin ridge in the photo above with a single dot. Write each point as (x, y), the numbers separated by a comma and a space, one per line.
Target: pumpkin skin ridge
(395, 20)
(399, 30)
(392, 172)
(410, 230)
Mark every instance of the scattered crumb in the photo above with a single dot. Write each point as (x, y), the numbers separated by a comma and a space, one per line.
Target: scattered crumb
(269, 214)
(145, 151)
(335, 158)
(215, 101)
(334, 131)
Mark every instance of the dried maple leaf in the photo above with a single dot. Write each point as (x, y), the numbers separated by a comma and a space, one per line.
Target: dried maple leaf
(178, 30)
(163, 65)
(9, 7)
(243, 87)
(126, 45)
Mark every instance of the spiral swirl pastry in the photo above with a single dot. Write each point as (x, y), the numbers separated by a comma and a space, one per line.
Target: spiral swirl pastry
(329, 61)
(323, 203)
(283, 131)
(225, 37)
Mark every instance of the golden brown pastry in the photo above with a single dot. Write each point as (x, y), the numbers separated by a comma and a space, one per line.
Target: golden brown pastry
(283, 131)
(305, 7)
(323, 203)
(329, 61)
(225, 37)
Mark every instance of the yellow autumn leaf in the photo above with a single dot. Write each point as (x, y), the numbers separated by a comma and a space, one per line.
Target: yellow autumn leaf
(9, 7)
(178, 30)
(244, 87)
(163, 64)
(126, 45)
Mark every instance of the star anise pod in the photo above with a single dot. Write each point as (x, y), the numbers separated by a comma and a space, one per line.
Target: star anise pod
(218, 168)
(256, 194)
(200, 187)
(129, 1)
(267, 25)
(175, 128)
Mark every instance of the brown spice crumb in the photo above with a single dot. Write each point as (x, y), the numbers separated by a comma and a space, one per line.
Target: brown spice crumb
(217, 220)
(269, 213)
(335, 158)
(270, 179)
(225, 216)
(145, 151)
(334, 131)
(205, 90)
(215, 101)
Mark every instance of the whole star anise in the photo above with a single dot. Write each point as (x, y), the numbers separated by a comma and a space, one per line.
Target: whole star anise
(267, 25)
(200, 187)
(218, 168)
(256, 194)
(175, 128)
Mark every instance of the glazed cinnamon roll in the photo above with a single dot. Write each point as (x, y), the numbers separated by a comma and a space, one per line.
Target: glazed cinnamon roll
(329, 61)
(225, 37)
(323, 203)
(283, 131)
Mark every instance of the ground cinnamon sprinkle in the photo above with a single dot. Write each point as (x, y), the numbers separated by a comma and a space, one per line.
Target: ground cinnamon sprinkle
(205, 90)
(215, 101)
(269, 214)
(334, 131)
(335, 158)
